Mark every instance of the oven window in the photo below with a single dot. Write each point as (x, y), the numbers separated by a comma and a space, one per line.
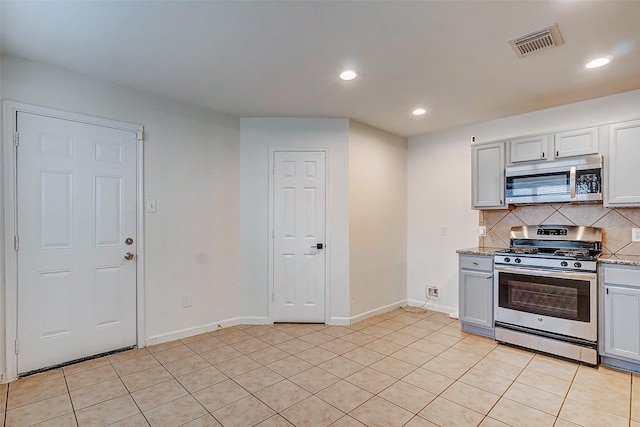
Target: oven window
(548, 296)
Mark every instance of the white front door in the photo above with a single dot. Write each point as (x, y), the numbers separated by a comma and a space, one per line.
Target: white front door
(76, 210)
(299, 231)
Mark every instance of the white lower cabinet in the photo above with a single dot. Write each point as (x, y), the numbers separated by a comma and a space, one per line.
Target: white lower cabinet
(621, 318)
(475, 305)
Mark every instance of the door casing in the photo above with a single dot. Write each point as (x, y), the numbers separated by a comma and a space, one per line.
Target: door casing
(327, 249)
(10, 110)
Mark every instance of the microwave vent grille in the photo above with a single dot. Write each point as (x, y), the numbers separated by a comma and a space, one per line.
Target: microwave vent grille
(537, 41)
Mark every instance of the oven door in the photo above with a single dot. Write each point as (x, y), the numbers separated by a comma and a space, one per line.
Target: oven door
(559, 302)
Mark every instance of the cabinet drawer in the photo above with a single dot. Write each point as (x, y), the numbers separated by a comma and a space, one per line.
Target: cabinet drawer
(622, 276)
(482, 263)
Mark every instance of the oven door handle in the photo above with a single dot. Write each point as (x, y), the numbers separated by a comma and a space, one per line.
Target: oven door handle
(573, 275)
(572, 181)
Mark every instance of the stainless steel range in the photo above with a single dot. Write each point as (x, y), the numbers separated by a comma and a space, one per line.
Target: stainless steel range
(546, 290)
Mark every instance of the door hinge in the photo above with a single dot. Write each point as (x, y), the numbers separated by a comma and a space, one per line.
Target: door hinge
(17, 347)
(16, 138)
(16, 242)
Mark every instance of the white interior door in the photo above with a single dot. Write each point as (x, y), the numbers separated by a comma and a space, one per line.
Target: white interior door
(76, 208)
(299, 236)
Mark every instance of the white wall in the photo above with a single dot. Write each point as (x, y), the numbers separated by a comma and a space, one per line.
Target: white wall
(190, 167)
(439, 182)
(257, 136)
(377, 218)
(2, 288)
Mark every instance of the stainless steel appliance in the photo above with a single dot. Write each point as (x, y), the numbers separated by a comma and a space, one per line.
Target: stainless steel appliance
(546, 290)
(578, 179)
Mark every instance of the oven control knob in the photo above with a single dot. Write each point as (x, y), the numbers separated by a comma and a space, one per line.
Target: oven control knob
(518, 260)
(577, 265)
(564, 263)
(507, 259)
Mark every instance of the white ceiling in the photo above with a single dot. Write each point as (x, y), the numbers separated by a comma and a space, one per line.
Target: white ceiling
(281, 58)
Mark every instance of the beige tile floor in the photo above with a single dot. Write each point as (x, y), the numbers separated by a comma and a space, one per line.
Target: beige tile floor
(402, 368)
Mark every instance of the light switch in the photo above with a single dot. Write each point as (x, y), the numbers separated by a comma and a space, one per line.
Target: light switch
(151, 206)
(635, 234)
(482, 230)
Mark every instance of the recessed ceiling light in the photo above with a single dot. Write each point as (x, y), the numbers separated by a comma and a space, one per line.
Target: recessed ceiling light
(598, 63)
(348, 75)
(418, 111)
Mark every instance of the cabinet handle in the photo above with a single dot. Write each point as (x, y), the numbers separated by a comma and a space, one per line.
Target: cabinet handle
(557, 154)
(543, 154)
(475, 263)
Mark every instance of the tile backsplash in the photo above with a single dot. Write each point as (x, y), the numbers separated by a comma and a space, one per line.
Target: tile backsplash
(615, 222)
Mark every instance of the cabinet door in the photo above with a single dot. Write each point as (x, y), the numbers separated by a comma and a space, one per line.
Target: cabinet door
(476, 298)
(529, 149)
(487, 176)
(623, 188)
(576, 142)
(622, 322)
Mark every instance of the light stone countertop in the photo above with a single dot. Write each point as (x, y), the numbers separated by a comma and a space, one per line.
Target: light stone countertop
(633, 260)
(483, 251)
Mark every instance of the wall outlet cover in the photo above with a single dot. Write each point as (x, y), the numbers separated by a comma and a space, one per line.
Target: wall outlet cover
(635, 234)
(482, 230)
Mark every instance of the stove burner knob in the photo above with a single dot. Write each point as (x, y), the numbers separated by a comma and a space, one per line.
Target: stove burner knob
(507, 259)
(518, 260)
(564, 263)
(577, 265)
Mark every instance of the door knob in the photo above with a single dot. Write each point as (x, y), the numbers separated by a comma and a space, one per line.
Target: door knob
(128, 256)
(129, 241)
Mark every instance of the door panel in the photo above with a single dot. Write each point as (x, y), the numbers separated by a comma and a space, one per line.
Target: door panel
(299, 225)
(76, 201)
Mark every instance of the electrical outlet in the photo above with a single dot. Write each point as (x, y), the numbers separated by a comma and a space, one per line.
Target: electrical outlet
(186, 301)
(433, 292)
(482, 230)
(635, 234)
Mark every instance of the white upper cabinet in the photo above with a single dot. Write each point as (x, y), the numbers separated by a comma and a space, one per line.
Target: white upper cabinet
(487, 171)
(576, 142)
(487, 176)
(623, 164)
(548, 147)
(529, 149)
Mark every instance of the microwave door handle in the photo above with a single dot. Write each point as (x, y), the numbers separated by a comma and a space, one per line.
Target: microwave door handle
(572, 181)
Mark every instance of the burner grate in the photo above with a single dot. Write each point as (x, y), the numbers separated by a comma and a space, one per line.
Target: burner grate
(572, 252)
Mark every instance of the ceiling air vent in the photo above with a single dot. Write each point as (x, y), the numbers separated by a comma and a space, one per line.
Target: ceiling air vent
(537, 41)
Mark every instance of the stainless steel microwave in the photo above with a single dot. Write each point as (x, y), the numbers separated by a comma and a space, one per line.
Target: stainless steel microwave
(578, 179)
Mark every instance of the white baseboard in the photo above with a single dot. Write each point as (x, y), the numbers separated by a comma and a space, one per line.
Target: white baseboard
(184, 333)
(261, 320)
(376, 311)
(339, 321)
(433, 306)
(256, 320)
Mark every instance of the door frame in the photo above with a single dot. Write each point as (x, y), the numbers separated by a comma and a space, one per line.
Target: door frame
(271, 236)
(10, 110)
